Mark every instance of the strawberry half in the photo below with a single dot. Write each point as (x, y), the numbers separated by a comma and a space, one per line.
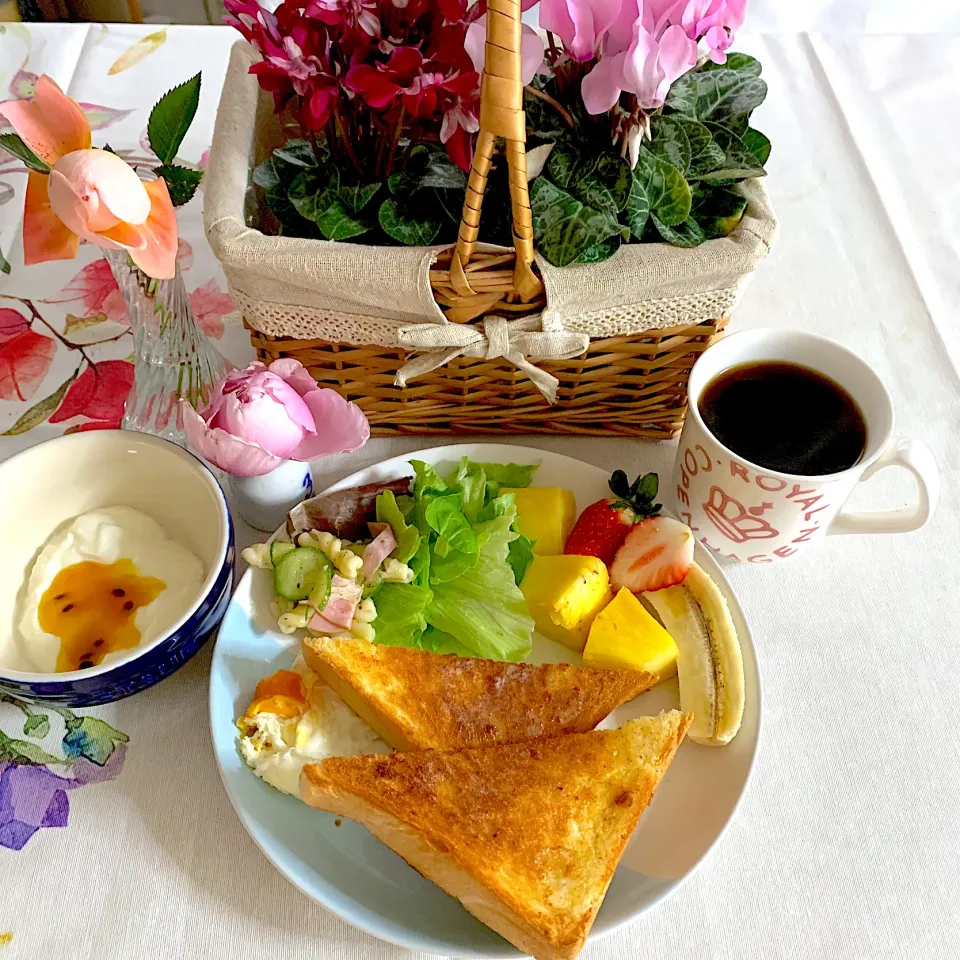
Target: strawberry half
(656, 553)
(602, 528)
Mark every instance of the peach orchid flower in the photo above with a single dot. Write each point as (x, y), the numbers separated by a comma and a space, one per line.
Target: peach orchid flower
(88, 194)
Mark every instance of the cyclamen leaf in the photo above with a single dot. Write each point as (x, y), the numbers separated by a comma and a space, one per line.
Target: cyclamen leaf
(544, 121)
(718, 210)
(705, 155)
(15, 145)
(442, 173)
(738, 161)
(601, 251)
(563, 227)
(356, 198)
(426, 167)
(170, 119)
(181, 182)
(740, 62)
(606, 185)
(716, 94)
(686, 234)
(638, 206)
(336, 223)
(757, 143)
(564, 164)
(399, 222)
(267, 174)
(313, 191)
(667, 192)
(669, 141)
(297, 152)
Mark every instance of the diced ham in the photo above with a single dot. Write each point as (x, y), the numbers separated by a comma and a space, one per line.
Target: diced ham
(340, 611)
(383, 545)
(377, 528)
(321, 624)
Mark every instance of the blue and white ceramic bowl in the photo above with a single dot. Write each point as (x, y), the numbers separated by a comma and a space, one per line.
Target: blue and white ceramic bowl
(47, 485)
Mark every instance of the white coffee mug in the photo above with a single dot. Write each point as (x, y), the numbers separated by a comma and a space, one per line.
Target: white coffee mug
(752, 513)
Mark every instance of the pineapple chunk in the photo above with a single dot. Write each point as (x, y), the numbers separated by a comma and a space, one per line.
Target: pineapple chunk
(564, 594)
(546, 515)
(625, 636)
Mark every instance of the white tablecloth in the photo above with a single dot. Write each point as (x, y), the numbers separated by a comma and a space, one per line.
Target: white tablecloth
(846, 843)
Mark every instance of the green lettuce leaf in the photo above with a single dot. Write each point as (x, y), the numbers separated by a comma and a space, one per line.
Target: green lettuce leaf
(472, 481)
(507, 475)
(445, 516)
(484, 608)
(401, 613)
(520, 556)
(407, 536)
(464, 598)
(436, 641)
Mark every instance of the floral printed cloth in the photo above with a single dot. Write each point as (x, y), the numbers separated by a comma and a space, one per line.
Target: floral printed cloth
(65, 344)
(66, 365)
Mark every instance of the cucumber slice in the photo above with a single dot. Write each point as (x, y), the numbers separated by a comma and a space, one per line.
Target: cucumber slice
(321, 593)
(279, 548)
(301, 572)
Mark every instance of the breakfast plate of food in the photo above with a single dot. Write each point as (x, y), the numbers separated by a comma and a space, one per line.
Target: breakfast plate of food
(485, 700)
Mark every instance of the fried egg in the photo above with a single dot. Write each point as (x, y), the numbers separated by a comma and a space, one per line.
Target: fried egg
(296, 719)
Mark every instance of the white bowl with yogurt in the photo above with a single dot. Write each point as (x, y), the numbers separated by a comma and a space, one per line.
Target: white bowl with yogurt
(117, 565)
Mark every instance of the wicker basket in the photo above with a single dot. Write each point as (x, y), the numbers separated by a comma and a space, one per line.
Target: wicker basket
(620, 339)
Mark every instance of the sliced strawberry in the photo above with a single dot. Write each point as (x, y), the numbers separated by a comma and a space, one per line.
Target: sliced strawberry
(656, 553)
(600, 530)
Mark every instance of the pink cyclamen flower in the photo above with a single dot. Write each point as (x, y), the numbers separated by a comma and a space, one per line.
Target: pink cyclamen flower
(261, 416)
(714, 22)
(580, 24)
(88, 194)
(531, 48)
(646, 68)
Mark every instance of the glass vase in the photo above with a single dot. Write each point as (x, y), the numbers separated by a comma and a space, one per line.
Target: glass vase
(173, 359)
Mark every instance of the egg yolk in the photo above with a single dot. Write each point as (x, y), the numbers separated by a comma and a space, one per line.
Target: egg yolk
(281, 694)
(91, 607)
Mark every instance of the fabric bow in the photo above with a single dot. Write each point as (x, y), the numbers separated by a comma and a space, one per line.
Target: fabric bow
(515, 340)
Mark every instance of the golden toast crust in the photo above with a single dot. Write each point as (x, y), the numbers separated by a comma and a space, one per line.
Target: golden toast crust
(539, 825)
(420, 700)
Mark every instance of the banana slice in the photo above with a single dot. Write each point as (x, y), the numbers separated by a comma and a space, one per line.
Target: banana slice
(710, 665)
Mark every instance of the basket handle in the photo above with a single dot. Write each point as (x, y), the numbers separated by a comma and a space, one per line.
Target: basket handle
(501, 115)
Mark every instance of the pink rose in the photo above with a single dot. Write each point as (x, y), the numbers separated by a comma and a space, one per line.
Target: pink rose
(261, 416)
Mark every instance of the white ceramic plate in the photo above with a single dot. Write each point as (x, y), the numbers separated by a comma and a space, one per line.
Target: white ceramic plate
(351, 873)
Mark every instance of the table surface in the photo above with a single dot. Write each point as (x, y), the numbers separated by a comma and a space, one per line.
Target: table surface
(846, 843)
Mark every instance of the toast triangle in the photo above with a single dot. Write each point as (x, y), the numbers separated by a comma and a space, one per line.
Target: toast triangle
(417, 700)
(527, 836)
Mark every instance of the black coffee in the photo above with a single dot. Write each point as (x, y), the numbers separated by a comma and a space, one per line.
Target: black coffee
(785, 417)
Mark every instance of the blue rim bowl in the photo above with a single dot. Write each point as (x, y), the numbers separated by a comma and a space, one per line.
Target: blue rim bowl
(49, 484)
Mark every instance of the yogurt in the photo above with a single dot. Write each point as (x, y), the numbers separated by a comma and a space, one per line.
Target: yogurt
(108, 581)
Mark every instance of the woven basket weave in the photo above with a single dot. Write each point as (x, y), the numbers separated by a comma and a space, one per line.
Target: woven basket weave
(411, 335)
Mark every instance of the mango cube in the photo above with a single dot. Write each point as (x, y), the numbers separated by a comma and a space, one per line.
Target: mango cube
(564, 594)
(625, 635)
(545, 515)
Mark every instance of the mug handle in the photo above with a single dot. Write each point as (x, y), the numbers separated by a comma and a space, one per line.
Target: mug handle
(916, 458)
